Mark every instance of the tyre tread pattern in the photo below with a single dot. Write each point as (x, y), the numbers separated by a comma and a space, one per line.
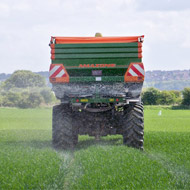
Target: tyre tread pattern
(133, 126)
(63, 133)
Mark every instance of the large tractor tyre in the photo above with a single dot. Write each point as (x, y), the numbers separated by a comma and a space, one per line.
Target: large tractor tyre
(133, 126)
(64, 134)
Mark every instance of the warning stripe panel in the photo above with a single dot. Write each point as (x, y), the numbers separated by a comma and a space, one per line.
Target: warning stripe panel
(139, 68)
(132, 72)
(136, 70)
(58, 74)
(56, 71)
(61, 74)
(53, 69)
(135, 73)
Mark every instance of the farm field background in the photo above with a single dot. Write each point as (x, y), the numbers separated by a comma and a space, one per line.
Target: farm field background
(28, 161)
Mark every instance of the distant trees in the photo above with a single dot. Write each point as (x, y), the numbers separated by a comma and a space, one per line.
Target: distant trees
(27, 99)
(177, 96)
(25, 89)
(47, 95)
(166, 98)
(152, 96)
(30, 100)
(10, 99)
(186, 97)
(24, 79)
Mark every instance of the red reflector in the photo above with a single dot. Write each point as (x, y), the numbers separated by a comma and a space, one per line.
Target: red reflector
(58, 74)
(135, 73)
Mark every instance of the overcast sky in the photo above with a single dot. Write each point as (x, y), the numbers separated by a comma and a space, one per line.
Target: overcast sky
(26, 27)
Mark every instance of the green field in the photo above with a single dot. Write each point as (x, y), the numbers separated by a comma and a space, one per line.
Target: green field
(27, 160)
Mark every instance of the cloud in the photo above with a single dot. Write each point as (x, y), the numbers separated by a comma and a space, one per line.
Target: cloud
(4, 10)
(27, 26)
(164, 5)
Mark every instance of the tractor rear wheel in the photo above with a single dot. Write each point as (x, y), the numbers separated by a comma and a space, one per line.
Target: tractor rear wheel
(133, 126)
(64, 134)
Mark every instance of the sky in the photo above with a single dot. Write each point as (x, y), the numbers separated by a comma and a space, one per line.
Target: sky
(27, 25)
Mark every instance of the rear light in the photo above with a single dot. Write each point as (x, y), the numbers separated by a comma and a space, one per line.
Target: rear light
(58, 74)
(135, 73)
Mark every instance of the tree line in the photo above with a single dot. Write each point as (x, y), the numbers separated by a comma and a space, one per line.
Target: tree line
(153, 96)
(25, 89)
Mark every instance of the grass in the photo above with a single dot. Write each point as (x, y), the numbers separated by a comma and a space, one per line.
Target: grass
(27, 160)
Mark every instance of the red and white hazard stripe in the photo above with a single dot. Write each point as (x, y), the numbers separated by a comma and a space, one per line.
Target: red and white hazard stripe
(56, 71)
(136, 70)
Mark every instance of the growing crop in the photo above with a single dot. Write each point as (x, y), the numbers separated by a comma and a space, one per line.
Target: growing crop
(28, 161)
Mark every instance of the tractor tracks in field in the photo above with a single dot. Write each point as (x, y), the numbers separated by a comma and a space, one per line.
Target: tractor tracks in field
(180, 174)
(65, 166)
(70, 168)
